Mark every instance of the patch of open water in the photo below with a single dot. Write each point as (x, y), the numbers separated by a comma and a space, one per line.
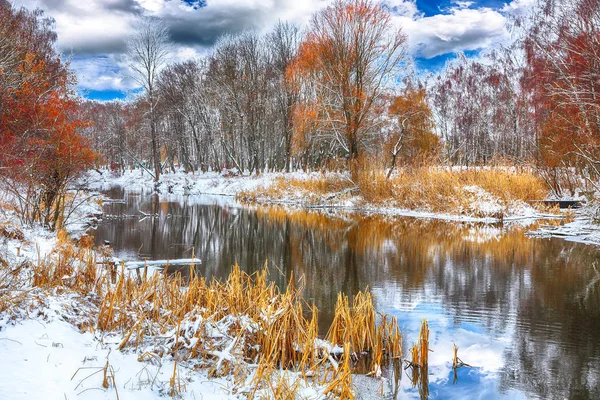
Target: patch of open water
(524, 312)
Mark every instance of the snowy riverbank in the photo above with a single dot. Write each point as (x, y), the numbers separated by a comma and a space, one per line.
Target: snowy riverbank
(73, 327)
(48, 346)
(267, 189)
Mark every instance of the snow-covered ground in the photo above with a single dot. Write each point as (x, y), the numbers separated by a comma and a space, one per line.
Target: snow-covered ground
(44, 355)
(51, 346)
(582, 229)
(213, 183)
(483, 206)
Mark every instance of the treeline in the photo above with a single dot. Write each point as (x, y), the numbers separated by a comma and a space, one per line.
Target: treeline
(340, 95)
(280, 101)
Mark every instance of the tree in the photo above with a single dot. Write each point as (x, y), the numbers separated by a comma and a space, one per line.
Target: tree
(42, 150)
(147, 50)
(562, 47)
(412, 136)
(284, 42)
(482, 111)
(343, 66)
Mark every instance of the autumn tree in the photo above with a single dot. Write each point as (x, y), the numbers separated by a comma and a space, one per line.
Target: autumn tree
(347, 59)
(42, 150)
(562, 47)
(147, 50)
(411, 137)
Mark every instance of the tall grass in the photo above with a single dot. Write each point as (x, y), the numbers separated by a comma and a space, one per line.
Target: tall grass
(266, 340)
(435, 189)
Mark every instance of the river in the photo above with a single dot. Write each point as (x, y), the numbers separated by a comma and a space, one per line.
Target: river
(524, 312)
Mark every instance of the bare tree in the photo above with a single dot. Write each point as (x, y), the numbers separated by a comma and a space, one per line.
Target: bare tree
(284, 41)
(147, 50)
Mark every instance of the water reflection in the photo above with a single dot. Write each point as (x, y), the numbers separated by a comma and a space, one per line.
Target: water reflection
(524, 312)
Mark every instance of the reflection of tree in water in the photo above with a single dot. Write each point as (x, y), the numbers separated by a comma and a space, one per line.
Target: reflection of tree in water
(484, 274)
(558, 341)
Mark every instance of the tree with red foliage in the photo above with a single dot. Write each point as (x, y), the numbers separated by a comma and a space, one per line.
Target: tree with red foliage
(562, 47)
(42, 150)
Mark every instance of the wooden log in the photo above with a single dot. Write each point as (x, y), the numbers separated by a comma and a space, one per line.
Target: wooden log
(159, 263)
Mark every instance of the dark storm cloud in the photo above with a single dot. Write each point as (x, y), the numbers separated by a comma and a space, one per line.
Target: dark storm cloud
(205, 28)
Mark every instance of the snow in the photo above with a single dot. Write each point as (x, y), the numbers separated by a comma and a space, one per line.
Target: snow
(48, 358)
(214, 183)
(582, 230)
(483, 206)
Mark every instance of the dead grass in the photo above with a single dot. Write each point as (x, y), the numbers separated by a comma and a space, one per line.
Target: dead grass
(245, 328)
(306, 190)
(434, 189)
(445, 190)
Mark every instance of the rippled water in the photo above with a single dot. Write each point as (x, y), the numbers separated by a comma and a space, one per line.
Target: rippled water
(525, 313)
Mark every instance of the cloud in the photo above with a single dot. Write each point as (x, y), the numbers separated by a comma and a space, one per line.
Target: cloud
(89, 27)
(93, 31)
(102, 73)
(100, 26)
(459, 29)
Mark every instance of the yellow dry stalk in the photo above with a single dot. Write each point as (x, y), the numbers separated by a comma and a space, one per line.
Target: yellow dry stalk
(283, 338)
(424, 344)
(339, 331)
(414, 355)
(341, 384)
(455, 356)
(310, 358)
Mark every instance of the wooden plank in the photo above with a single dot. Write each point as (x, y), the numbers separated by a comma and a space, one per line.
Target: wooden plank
(160, 263)
(562, 204)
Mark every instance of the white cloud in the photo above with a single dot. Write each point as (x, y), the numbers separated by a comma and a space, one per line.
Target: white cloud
(102, 73)
(518, 8)
(462, 29)
(94, 30)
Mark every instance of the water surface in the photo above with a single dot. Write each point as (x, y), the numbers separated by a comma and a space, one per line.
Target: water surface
(525, 313)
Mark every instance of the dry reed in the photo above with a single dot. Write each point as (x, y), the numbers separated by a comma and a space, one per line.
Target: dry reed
(266, 340)
(434, 189)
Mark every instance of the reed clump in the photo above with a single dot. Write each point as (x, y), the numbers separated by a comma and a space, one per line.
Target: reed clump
(419, 352)
(478, 191)
(264, 339)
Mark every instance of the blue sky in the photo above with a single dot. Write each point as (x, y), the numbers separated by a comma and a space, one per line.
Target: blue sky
(91, 33)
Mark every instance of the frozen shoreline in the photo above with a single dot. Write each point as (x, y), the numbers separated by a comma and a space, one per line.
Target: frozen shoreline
(51, 347)
(581, 229)
(43, 353)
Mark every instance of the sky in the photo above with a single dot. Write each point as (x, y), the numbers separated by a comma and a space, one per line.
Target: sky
(91, 33)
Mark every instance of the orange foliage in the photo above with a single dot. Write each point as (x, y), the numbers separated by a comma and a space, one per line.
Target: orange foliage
(42, 150)
(413, 139)
(39, 131)
(349, 49)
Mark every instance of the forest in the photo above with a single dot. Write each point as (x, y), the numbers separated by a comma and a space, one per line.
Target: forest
(341, 94)
(291, 213)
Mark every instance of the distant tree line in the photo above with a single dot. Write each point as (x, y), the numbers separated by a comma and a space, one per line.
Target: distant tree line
(340, 94)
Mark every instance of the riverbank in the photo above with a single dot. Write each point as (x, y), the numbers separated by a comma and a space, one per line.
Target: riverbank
(71, 326)
(457, 195)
